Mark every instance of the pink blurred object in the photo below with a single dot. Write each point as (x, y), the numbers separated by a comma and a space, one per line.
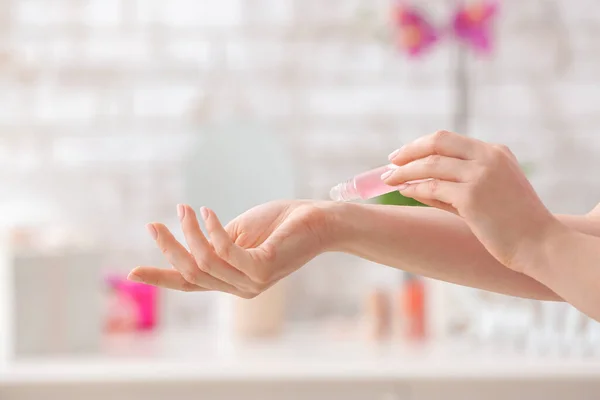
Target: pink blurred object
(134, 305)
(416, 34)
(473, 24)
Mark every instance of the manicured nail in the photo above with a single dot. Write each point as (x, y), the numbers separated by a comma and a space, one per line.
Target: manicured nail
(152, 231)
(386, 174)
(204, 213)
(402, 187)
(134, 278)
(180, 211)
(393, 154)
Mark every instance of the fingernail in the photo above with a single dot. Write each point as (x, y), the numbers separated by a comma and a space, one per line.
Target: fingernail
(204, 213)
(134, 278)
(393, 154)
(180, 211)
(152, 231)
(386, 174)
(402, 187)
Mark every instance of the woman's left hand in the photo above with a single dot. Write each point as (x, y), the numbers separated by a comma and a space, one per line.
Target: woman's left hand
(481, 182)
(254, 251)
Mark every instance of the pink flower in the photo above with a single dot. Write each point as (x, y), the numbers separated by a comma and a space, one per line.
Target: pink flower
(473, 24)
(415, 34)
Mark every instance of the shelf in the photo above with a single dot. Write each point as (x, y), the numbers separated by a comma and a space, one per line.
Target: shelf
(201, 359)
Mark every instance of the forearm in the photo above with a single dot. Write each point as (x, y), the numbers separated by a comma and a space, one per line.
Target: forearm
(435, 244)
(569, 263)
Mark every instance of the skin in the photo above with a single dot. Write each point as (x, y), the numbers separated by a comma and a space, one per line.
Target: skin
(487, 229)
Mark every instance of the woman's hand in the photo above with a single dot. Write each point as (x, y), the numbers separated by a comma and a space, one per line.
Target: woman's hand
(481, 182)
(254, 251)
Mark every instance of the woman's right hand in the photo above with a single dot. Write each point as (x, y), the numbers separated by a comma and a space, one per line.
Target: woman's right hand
(485, 185)
(254, 251)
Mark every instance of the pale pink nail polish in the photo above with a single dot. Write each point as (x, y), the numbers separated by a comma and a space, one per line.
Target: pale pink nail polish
(402, 187)
(180, 211)
(393, 154)
(386, 174)
(152, 231)
(204, 213)
(134, 278)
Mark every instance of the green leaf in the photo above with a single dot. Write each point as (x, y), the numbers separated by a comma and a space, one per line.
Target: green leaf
(397, 199)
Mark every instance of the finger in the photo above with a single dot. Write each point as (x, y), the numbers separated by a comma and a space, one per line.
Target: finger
(437, 204)
(222, 242)
(434, 166)
(434, 189)
(171, 279)
(442, 142)
(165, 278)
(184, 262)
(203, 252)
(174, 252)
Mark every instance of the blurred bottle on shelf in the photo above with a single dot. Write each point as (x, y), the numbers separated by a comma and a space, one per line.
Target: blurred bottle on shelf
(261, 317)
(50, 299)
(132, 307)
(378, 308)
(411, 299)
(378, 314)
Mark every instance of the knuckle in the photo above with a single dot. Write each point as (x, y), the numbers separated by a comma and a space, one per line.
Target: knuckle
(502, 148)
(438, 138)
(192, 276)
(433, 161)
(170, 257)
(188, 287)
(163, 247)
(440, 134)
(433, 186)
(202, 259)
(499, 152)
(223, 251)
(437, 141)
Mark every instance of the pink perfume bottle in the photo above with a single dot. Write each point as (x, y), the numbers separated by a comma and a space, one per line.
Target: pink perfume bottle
(363, 186)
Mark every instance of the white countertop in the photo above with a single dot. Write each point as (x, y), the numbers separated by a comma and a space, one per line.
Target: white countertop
(296, 357)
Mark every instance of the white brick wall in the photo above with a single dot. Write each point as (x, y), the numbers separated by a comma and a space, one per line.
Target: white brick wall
(99, 97)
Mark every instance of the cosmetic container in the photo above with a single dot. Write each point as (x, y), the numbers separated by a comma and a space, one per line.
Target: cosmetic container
(365, 185)
(413, 308)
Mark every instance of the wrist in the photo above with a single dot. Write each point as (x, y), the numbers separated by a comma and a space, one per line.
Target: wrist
(535, 256)
(335, 229)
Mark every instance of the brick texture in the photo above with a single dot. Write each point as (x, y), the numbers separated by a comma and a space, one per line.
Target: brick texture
(99, 98)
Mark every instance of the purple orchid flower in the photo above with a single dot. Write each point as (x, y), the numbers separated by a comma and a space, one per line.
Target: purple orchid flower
(416, 35)
(473, 24)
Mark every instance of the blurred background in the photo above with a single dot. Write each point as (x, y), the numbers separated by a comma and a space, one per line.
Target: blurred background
(114, 111)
